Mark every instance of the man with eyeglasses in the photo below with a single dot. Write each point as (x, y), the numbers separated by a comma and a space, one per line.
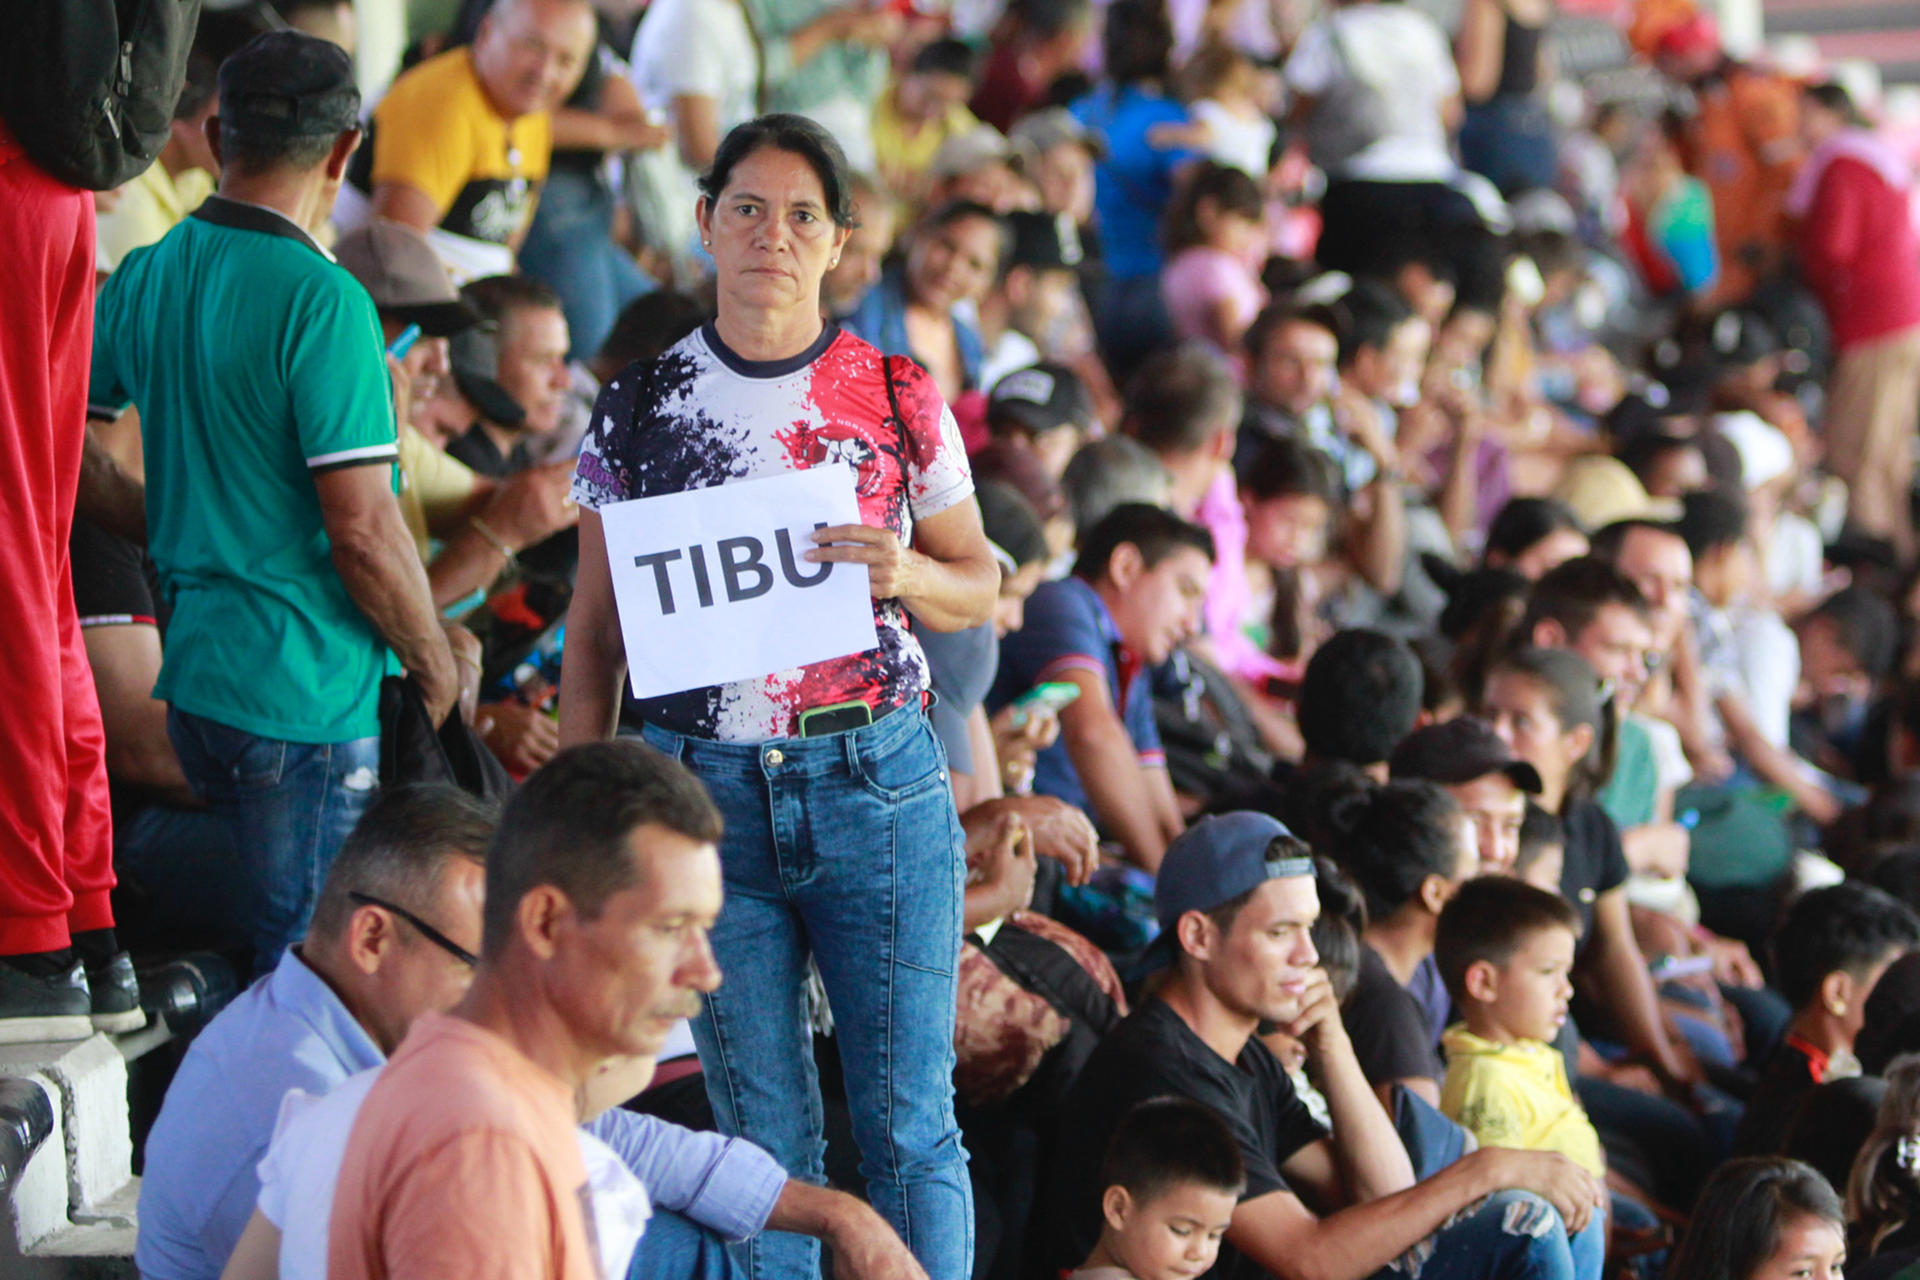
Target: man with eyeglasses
(396, 936)
(393, 936)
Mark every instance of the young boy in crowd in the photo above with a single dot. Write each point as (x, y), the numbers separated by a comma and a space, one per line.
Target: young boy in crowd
(1828, 956)
(1506, 951)
(1173, 1176)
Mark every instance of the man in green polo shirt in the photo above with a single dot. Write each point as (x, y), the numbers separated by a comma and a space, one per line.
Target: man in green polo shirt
(257, 366)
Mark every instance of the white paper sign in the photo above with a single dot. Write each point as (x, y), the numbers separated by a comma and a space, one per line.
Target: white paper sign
(713, 584)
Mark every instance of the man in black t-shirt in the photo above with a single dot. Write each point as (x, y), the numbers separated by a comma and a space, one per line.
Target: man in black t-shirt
(1236, 901)
(178, 868)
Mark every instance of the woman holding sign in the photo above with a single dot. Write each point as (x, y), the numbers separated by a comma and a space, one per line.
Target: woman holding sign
(841, 841)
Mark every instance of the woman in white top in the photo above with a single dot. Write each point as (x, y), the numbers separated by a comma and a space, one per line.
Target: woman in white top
(1375, 85)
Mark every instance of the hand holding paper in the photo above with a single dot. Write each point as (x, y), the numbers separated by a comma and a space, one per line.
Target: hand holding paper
(893, 568)
(716, 585)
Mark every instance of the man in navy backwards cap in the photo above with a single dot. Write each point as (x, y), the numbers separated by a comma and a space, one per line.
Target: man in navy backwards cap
(266, 409)
(1237, 901)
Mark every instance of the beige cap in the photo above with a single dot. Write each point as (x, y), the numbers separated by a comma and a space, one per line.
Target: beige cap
(1600, 490)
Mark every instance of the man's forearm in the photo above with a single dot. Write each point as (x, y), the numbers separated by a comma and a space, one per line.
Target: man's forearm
(466, 564)
(382, 572)
(954, 595)
(1110, 771)
(1354, 1243)
(1382, 552)
(1373, 1159)
(108, 496)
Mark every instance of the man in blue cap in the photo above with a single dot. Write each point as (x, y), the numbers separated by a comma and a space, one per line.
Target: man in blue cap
(1237, 902)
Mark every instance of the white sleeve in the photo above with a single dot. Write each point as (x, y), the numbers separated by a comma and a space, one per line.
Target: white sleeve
(1314, 64)
(686, 60)
(272, 1168)
(1770, 668)
(1439, 54)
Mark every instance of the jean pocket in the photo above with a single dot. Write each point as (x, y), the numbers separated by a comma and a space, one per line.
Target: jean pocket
(242, 760)
(916, 765)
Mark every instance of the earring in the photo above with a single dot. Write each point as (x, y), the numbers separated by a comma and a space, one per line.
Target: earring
(1837, 1009)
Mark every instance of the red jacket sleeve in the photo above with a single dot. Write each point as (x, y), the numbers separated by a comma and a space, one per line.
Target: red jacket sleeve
(1830, 238)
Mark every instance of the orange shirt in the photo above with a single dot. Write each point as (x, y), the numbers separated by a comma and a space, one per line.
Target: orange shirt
(1744, 144)
(462, 1164)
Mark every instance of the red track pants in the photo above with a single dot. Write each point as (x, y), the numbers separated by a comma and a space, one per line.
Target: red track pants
(56, 826)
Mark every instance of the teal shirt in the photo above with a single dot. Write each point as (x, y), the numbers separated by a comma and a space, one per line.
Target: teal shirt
(841, 69)
(255, 361)
(1630, 794)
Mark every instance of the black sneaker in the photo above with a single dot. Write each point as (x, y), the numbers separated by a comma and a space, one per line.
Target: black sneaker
(116, 995)
(33, 1008)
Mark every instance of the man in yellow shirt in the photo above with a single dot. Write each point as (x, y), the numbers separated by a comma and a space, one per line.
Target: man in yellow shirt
(918, 113)
(462, 141)
(1505, 950)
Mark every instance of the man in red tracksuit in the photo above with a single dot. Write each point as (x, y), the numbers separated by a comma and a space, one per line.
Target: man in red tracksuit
(56, 830)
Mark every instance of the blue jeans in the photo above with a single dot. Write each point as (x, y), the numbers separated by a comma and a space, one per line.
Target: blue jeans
(289, 807)
(570, 247)
(845, 847)
(1511, 1235)
(184, 863)
(676, 1247)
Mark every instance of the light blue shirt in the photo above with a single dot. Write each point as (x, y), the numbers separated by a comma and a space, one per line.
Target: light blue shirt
(287, 1031)
(290, 1031)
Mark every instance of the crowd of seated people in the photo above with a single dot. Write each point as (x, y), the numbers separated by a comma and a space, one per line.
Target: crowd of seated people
(1405, 564)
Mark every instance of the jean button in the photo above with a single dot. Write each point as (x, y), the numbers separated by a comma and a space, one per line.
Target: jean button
(776, 757)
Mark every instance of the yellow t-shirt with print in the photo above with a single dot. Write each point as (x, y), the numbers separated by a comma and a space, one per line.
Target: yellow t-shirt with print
(1516, 1095)
(437, 131)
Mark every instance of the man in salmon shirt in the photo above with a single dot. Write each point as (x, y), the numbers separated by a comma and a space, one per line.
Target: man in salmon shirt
(602, 883)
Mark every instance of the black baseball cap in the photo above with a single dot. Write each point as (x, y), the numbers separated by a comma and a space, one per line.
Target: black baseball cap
(1044, 241)
(1040, 398)
(1458, 752)
(287, 84)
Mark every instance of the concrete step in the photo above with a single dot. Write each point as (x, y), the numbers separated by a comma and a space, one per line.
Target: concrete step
(67, 1194)
(98, 1245)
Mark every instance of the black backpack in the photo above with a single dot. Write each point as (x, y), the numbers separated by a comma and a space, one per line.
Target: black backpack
(88, 86)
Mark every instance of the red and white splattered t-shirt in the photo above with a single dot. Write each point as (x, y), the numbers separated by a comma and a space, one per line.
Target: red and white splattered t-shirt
(700, 415)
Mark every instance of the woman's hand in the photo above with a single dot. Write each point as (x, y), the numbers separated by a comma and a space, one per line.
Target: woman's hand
(894, 569)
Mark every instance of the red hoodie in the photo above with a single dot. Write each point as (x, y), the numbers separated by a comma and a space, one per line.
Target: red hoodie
(1859, 254)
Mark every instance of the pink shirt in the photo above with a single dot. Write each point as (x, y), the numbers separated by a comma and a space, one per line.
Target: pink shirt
(1197, 280)
(1229, 600)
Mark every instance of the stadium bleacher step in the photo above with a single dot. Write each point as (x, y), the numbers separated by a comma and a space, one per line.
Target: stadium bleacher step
(67, 1190)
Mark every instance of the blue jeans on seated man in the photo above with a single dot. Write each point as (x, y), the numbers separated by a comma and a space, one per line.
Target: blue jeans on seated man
(570, 248)
(1511, 1235)
(289, 807)
(182, 882)
(675, 1247)
(844, 847)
